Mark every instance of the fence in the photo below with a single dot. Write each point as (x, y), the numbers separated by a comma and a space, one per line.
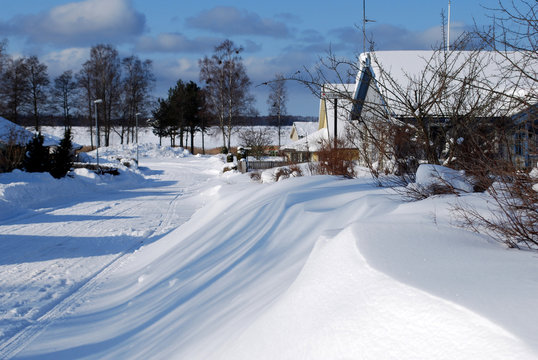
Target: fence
(262, 165)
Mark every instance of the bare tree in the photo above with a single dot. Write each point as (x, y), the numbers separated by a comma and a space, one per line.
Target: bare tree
(138, 81)
(104, 69)
(513, 36)
(257, 138)
(86, 96)
(277, 99)
(38, 82)
(14, 89)
(3, 45)
(514, 217)
(63, 95)
(227, 87)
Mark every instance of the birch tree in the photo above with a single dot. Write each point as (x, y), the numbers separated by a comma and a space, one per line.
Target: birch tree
(227, 87)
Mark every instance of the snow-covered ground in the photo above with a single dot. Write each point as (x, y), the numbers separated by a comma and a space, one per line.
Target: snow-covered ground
(177, 260)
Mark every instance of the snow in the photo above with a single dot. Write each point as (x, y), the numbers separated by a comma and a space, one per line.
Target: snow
(404, 67)
(11, 132)
(177, 260)
(428, 175)
(213, 138)
(311, 142)
(303, 128)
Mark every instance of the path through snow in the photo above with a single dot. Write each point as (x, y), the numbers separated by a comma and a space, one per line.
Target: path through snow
(51, 257)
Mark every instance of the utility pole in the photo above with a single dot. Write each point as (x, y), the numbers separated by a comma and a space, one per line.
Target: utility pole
(95, 102)
(448, 31)
(364, 21)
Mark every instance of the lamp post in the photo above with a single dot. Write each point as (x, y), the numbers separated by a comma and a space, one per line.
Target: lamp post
(136, 115)
(95, 102)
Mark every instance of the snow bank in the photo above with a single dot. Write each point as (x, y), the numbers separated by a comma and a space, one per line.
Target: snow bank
(21, 191)
(339, 307)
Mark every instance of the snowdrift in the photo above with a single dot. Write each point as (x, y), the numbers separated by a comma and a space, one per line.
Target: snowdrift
(310, 267)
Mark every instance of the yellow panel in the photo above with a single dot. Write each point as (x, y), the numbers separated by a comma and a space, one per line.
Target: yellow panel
(322, 115)
(294, 135)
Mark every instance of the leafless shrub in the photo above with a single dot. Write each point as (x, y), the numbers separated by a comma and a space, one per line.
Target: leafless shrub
(336, 157)
(513, 217)
(257, 138)
(11, 153)
(286, 172)
(437, 182)
(255, 176)
(229, 167)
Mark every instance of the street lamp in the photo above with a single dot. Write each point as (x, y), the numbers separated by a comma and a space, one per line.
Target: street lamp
(136, 115)
(95, 102)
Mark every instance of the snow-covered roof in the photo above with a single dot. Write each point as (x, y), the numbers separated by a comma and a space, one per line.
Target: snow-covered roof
(311, 142)
(13, 133)
(397, 72)
(303, 128)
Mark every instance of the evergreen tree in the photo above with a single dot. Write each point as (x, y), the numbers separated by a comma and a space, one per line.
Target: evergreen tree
(162, 123)
(193, 107)
(62, 159)
(37, 157)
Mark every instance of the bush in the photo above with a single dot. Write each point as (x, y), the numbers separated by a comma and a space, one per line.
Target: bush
(513, 219)
(339, 160)
(37, 157)
(62, 158)
(287, 172)
(11, 153)
(256, 176)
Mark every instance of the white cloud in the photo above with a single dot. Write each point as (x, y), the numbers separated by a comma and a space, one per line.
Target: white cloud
(169, 71)
(67, 59)
(391, 37)
(175, 42)
(229, 20)
(85, 22)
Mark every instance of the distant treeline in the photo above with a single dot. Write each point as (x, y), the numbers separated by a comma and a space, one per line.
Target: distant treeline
(52, 120)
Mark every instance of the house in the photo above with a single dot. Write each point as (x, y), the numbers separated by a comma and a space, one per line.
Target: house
(397, 88)
(301, 129)
(525, 154)
(405, 87)
(334, 109)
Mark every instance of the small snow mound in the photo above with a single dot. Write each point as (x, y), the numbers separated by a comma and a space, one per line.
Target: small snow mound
(534, 176)
(429, 175)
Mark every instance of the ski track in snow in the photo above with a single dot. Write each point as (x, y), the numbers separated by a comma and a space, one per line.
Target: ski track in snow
(56, 292)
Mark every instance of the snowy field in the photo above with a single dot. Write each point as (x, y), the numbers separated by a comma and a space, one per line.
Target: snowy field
(213, 138)
(177, 260)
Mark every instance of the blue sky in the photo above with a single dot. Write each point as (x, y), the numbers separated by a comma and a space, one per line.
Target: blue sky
(278, 35)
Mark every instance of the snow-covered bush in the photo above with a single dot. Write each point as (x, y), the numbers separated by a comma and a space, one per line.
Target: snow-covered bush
(436, 180)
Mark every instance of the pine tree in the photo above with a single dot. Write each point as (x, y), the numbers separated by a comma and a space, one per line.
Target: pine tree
(62, 158)
(37, 157)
